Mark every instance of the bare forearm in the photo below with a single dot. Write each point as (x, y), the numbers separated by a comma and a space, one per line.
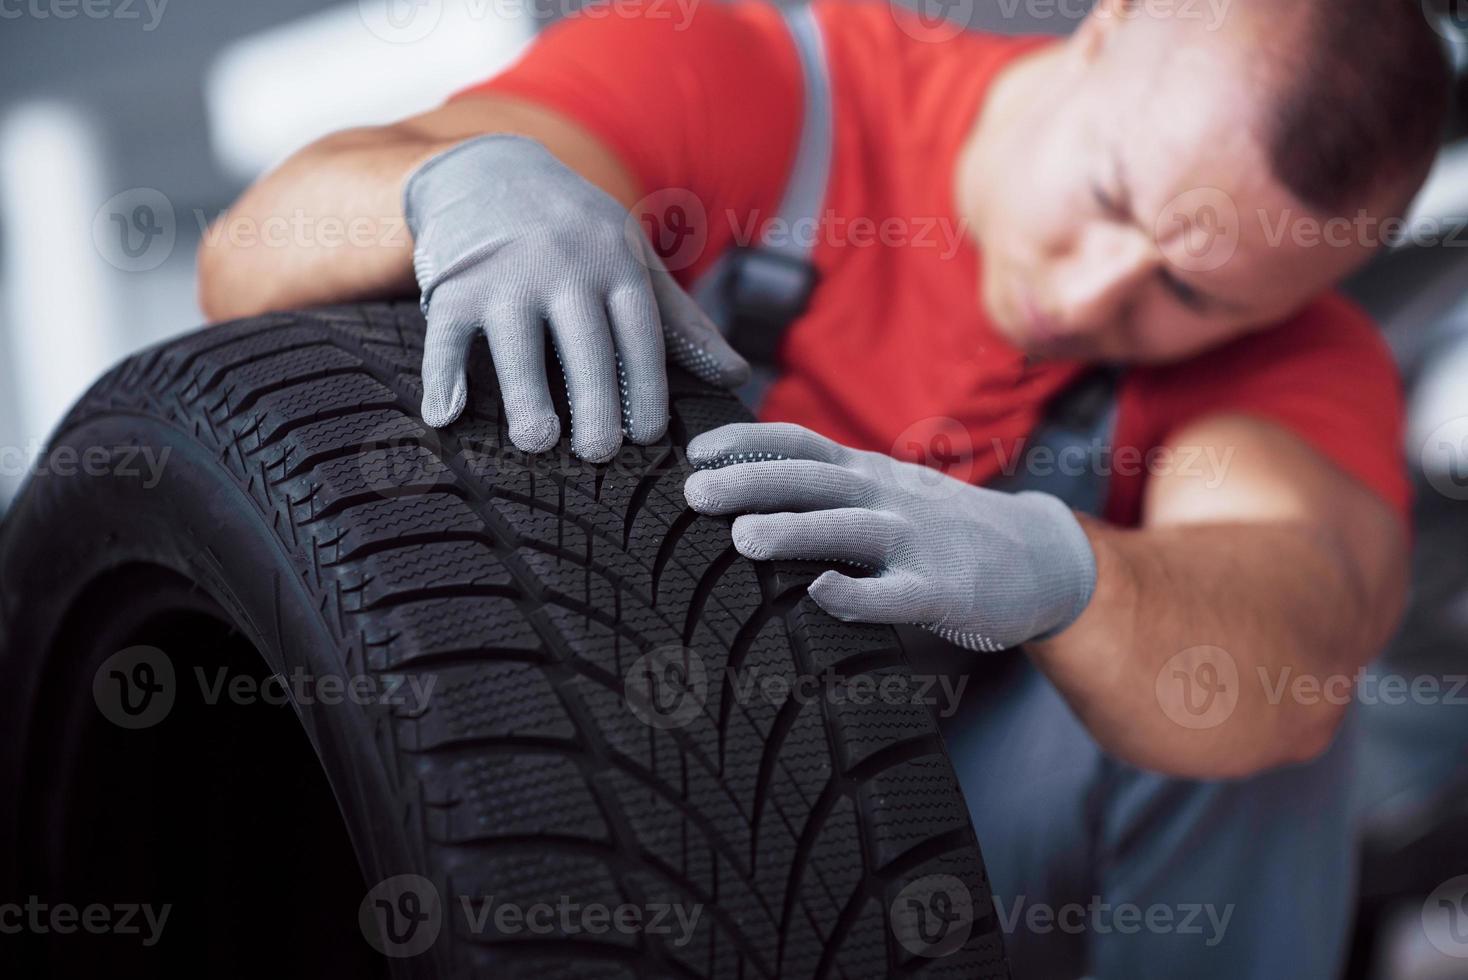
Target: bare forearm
(327, 225)
(1277, 602)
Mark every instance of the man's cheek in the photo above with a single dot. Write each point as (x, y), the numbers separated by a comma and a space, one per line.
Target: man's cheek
(1167, 339)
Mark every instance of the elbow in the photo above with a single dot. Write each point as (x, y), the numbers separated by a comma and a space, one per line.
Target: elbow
(1246, 745)
(1302, 735)
(1318, 729)
(223, 290)
(1307, 736)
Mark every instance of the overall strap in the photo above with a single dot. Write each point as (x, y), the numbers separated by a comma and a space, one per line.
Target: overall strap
(1068, 455)
(755, 293)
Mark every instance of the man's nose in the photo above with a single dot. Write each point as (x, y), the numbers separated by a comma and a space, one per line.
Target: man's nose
(1101, 276)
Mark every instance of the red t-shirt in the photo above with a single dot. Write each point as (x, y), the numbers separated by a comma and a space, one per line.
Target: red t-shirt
(894, 346)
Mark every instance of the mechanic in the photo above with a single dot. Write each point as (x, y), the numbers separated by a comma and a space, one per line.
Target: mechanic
(1131, 197)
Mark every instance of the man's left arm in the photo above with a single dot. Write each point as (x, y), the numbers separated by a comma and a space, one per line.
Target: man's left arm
(1218, 640)
(1279, 578)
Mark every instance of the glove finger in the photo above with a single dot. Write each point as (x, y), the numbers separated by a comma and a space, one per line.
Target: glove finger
(446, 363)
(693, 341)
(747, 442)
(852, 534)
(638, 334)
(776, 485)
(517, 341)
(892, 597)
(584, 346)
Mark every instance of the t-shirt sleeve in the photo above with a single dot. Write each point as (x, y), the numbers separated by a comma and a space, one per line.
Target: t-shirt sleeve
(701, 103)
(1326, 375)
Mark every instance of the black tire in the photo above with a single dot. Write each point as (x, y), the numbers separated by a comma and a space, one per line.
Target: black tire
(305, 524)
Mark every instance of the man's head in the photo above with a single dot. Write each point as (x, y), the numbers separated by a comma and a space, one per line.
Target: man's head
(1160, 183)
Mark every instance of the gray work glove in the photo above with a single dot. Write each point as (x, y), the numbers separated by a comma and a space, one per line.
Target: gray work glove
(506, 238)
(982, 569)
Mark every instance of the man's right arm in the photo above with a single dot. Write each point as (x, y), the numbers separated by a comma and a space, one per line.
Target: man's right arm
(509, 208)
(342, 200)
(505, 239)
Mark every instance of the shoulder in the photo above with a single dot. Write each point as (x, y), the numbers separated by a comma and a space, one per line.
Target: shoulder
(1326, 375)
(1331, 344)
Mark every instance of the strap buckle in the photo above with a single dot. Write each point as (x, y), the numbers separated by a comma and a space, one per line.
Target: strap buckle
(767, 291)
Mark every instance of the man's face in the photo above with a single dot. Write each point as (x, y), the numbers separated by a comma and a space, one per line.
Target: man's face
(1135, 218)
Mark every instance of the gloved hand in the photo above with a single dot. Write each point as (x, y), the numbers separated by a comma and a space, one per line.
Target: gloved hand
(983, 569)
(505, 237)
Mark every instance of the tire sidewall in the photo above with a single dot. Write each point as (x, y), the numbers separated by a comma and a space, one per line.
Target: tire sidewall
(199, 521)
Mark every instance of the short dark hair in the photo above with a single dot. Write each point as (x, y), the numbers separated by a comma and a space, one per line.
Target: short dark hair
(1362, 108)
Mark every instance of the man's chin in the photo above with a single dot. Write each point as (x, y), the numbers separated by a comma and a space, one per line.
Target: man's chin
(1058, 350)
(1024, 340)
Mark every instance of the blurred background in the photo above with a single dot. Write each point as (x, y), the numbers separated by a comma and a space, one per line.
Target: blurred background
(126, 126)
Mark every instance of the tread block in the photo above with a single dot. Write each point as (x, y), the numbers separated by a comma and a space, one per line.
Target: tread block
(490, 700)
(302, 401)
(401, 635)
(519, 795)
(378, 525)
(910, 804)
(413, 569)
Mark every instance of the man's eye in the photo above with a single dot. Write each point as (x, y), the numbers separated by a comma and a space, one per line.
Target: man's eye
(1185, 294)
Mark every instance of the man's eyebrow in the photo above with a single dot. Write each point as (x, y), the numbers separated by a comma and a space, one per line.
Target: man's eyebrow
(1115, 194)
(1123, 183)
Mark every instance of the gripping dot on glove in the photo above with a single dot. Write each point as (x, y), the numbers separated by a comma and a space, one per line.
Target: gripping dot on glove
(733, 459)
(694, 358)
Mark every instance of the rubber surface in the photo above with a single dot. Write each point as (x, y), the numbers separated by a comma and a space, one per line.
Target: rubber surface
(304, 496)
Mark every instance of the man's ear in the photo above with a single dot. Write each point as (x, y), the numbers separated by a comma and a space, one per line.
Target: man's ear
(1096, 31)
